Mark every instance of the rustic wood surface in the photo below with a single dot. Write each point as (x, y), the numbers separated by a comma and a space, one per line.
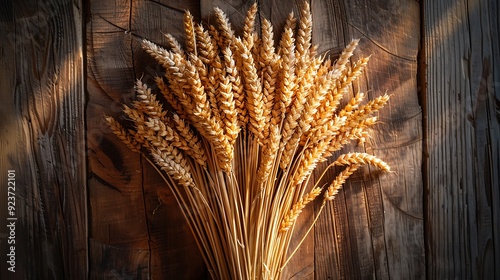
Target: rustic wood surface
(462, 74)
(356, 237)
(88, 208)
(136, 231)
(43, 137)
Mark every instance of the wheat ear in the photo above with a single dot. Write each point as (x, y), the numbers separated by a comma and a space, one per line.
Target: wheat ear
(122, 134)
(189, 33)
(225, 28)
(293, 213)
(339, 181)
(360, 159)
(249, 26)
(253, 91)
(286, 77)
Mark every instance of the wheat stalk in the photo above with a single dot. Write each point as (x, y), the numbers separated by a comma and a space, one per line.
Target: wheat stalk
(250, 122)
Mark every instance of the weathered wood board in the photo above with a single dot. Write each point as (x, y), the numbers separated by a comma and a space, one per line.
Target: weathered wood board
(374, 229)
(43, 139)
(136, 228)
(462, 76)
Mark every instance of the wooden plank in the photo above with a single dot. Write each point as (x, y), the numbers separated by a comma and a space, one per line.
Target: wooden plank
(42, 136)
(378, 219)
(117, 228)
(171, 243)
(143, 234)
(463, 200)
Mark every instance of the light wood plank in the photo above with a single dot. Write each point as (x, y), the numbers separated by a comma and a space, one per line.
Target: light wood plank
(462, 97)
(378, 218)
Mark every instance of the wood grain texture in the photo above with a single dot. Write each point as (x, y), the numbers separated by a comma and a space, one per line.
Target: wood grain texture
(42, 136)
(137, 230)
(117, 221)
(462, 100)
(374, 228)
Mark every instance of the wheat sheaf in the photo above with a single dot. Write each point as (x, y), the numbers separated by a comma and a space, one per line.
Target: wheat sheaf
(238, 125)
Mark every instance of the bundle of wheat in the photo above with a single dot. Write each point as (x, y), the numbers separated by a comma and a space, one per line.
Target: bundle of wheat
(249, 124)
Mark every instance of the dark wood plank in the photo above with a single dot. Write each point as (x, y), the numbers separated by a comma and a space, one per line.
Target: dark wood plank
(118, 231)
(43, 137)
(462, 97)
(137, 230)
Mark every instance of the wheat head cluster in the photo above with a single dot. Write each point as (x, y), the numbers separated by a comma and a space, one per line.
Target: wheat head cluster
(236, 128)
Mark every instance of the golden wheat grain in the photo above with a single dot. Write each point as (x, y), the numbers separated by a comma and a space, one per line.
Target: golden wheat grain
(174, 65)
(158, 53)
(201, 68)
(293, 213)
(269, 154)
(304, 34)
(216, 37)
(236, 86)
(189, 33)
(267, 47)
(134, 115)
(196, 91)
(324, 69)
(313, 51)
(354, 72)
(291, 21)
(345, 55)
(173, 168)
(225, 28)
(174, 44)
(329, 104)
(370, 108)
(357, 114)
(255, 51)
(249, 26)
(196, 145)
(207, 51)
(211, 91)
(122, 134)
(290, 131)
(352, 105)
(253, 91)
(269, 80)
(360, 159)
(170, 97)
(286, 77)
(339, 181)
(147, 102)
(356, 124)
(322, 86)
(212, 130)
(269, 68)
(309, 160)
(167, 135)
(326, 130)
(355, 133)
(227, 105)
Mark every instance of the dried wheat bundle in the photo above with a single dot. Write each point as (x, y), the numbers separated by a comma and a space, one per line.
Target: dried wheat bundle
(248, 120)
